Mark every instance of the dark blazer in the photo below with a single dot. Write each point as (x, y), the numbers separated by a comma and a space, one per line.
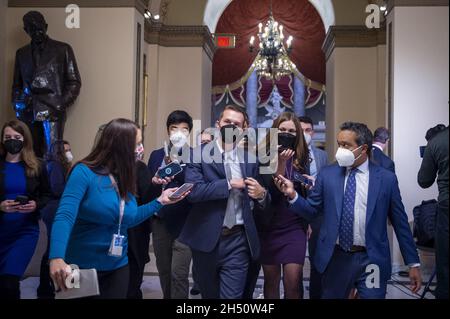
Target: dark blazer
(173, 216)
(57, 183)
(381, 159)
(37, 187)
(435, 162)
(210, 196)
(139, 236)
(384, 202)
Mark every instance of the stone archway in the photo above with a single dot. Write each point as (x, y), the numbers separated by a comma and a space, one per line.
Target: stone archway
(215, 8)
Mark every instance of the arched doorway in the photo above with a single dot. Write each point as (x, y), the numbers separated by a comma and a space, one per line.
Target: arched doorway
(215, 8)
(234, 81)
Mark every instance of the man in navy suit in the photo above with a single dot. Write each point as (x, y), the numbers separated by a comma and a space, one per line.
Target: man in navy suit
(173, 258)
(318, 160)
(318, 157)
(380, 140)
(220, 228)
(357, 198)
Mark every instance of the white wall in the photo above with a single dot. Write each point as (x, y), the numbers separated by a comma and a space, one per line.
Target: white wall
(355, 90)
(180, 78)
(104, 47)
(420, 91)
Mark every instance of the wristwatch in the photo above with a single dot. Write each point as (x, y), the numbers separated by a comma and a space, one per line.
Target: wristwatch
(264, 195)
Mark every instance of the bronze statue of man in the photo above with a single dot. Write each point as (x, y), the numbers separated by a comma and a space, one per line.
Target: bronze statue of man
(46, 83)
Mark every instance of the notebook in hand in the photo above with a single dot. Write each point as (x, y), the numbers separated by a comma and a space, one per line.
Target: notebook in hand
(88, 286)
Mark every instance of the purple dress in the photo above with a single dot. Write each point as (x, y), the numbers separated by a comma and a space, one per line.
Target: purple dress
(284, 240)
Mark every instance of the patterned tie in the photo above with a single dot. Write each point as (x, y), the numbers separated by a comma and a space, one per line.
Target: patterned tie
(348, 213)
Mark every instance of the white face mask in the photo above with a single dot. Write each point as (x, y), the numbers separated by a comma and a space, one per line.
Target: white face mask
(308, 138)
(69, 156)
(139, 152)
(178, 139)
(345, 157)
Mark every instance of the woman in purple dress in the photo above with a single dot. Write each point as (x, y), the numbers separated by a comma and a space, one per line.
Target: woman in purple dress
(283, 240)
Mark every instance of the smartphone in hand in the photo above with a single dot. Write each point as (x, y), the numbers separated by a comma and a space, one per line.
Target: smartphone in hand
(22, 200)
(170, 170)
(299, 178)
(183, 189)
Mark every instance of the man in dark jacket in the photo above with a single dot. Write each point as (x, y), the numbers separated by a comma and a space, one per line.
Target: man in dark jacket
(381, 137)
(46, 82)
(435, 162)
(173, 258)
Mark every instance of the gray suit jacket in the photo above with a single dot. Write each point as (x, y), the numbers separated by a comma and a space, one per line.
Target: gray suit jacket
(320, 156)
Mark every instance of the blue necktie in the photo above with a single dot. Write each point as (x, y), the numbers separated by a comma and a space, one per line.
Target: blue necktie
(348, 213)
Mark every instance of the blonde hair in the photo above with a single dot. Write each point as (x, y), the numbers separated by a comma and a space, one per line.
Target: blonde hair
(32, 164)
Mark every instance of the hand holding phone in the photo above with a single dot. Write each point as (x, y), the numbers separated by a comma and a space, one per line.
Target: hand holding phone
(8, 206)
(22, 200)
(182, 190)
(170, 170)
(299, 178)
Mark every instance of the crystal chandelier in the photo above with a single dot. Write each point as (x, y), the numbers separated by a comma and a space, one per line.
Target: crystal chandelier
(272, 61)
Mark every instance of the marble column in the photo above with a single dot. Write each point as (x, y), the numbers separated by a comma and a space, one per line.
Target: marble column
(299, 97)
(252, 99)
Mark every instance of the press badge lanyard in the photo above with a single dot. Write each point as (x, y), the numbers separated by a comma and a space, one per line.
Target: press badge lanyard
(116, 247)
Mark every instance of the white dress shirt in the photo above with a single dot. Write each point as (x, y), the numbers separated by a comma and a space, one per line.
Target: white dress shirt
(377, 146)
(362, 190)
(231, 158)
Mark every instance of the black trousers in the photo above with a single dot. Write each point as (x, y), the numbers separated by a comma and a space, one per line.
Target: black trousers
(46, 289)
(442, 253)
(9, 287)
(315, 277)
(138, 256)
(113, 284)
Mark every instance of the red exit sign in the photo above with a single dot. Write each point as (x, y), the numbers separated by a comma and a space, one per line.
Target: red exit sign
(225, 41)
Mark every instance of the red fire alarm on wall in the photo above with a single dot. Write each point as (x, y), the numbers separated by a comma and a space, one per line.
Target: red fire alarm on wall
(225, 41)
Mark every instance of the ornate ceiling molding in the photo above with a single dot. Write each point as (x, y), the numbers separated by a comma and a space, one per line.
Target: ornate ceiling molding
(352, 37)
(140, 5)
(180, 36)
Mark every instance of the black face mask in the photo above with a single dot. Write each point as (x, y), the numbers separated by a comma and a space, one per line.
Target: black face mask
(228, 133)
(286, 141)
(13, 146)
